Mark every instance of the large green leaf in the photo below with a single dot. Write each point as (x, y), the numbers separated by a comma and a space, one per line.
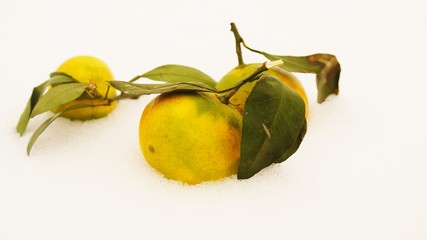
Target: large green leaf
(177, 73)
(145, 89)
(46, 124)
(325, 66)
(56, 78)
(295, 145)
(40, 130)
(273, 118)
(59, 95)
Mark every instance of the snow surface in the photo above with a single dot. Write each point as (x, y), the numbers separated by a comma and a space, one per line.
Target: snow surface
(359, 173)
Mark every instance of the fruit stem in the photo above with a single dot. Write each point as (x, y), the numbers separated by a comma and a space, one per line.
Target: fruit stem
(106, 93)
(239, 40)
(254, 76)
(231, 91)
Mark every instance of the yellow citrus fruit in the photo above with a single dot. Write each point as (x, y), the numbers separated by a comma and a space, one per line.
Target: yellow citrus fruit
(245, 70)
(191, 137)
(89, 69)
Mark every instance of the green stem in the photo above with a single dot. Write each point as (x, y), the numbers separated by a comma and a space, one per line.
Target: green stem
(231, 91)
(108, 90)
(239, 40)
(251, 49)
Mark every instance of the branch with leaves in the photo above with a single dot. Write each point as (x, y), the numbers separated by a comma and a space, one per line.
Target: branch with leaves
(274, 123)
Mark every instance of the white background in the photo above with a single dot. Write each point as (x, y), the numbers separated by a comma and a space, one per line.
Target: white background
(360, 171)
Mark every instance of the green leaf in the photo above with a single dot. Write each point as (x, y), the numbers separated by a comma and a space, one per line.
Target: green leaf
(24, 119)
(295, 145)
(145, 89)
(40, 130)
(273, 118)
(46, 124)
(325, 66)
(59, 95)
(56, 78)
(177, 73)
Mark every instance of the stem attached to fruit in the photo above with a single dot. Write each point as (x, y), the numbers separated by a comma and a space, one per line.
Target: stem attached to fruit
(106, 93)
(239, 40)
(253, 77)
(231, 91)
